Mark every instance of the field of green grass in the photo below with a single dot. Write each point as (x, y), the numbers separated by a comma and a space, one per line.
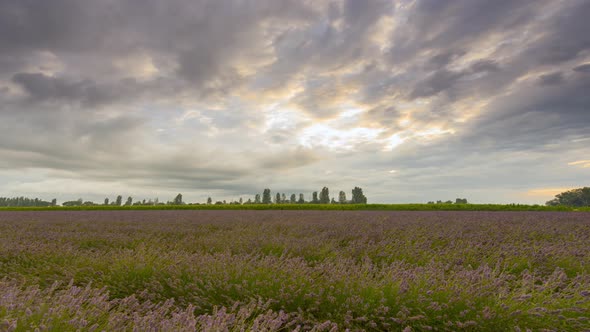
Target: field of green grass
(294, 270)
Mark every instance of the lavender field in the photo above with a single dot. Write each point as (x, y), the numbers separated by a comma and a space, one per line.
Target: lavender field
(294, 270)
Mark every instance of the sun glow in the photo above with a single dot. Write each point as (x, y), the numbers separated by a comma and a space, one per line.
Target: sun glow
(337, 139)
(580, 163)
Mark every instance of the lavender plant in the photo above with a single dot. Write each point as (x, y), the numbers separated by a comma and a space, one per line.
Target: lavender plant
(294, 270)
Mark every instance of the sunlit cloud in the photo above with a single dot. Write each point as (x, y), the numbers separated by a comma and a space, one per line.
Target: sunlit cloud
(545, 192)
(580, 163)
(478, 97)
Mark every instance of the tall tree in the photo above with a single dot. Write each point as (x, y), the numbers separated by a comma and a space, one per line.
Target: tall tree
(301, 199)
(129, 201)
(178, 200)
(342, 197)
(358, 197)
(209, 201)
(257, 199)
(293, 199)
(106, 201)
(266, 196)
(325, 196)
(314, 197)
(278, 198)
(119, 200)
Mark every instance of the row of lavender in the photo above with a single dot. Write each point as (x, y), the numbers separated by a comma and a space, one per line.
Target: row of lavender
(294, 270)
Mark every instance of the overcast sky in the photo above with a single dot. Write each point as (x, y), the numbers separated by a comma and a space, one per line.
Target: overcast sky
(410, 100)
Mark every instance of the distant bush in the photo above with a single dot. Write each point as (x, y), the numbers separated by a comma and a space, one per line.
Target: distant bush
(576, 197)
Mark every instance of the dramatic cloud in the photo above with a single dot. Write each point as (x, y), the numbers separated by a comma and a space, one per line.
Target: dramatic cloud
(411, 100)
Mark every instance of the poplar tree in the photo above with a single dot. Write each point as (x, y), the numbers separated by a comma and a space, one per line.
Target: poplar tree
(314, 197)
(342, 197)
(178, 200)
(358, 197)
(266, 197)
(325, 196)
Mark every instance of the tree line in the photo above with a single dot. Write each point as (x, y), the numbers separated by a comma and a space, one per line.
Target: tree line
(321, 197)
(457, 201)
(25, 202)
(118, 201)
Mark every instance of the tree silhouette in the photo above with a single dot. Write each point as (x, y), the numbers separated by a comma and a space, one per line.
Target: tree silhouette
(325, 196)
(301, 199)
(358, 197)
(266, 196)
(342, 197)
(178, 200)
(575, 197)
(314, 197)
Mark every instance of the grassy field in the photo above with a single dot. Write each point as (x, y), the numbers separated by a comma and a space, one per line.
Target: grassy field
(185, 270)
(345, 207)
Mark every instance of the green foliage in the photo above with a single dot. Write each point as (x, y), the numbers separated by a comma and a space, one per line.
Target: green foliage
(576, 197)
(78, 202)
(266, 196)
(342, 197)
(358, 197)
(314, 198)
(178, 200)
(24, 201)
(301, 199)
(325, 196)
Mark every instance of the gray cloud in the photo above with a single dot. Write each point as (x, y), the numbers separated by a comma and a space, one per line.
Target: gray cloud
(551, 79)
(230, 96)
(40, 87)
(585, 68)
(565, 36)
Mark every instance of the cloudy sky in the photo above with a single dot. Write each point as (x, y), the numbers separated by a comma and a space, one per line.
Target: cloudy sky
(411, 100)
